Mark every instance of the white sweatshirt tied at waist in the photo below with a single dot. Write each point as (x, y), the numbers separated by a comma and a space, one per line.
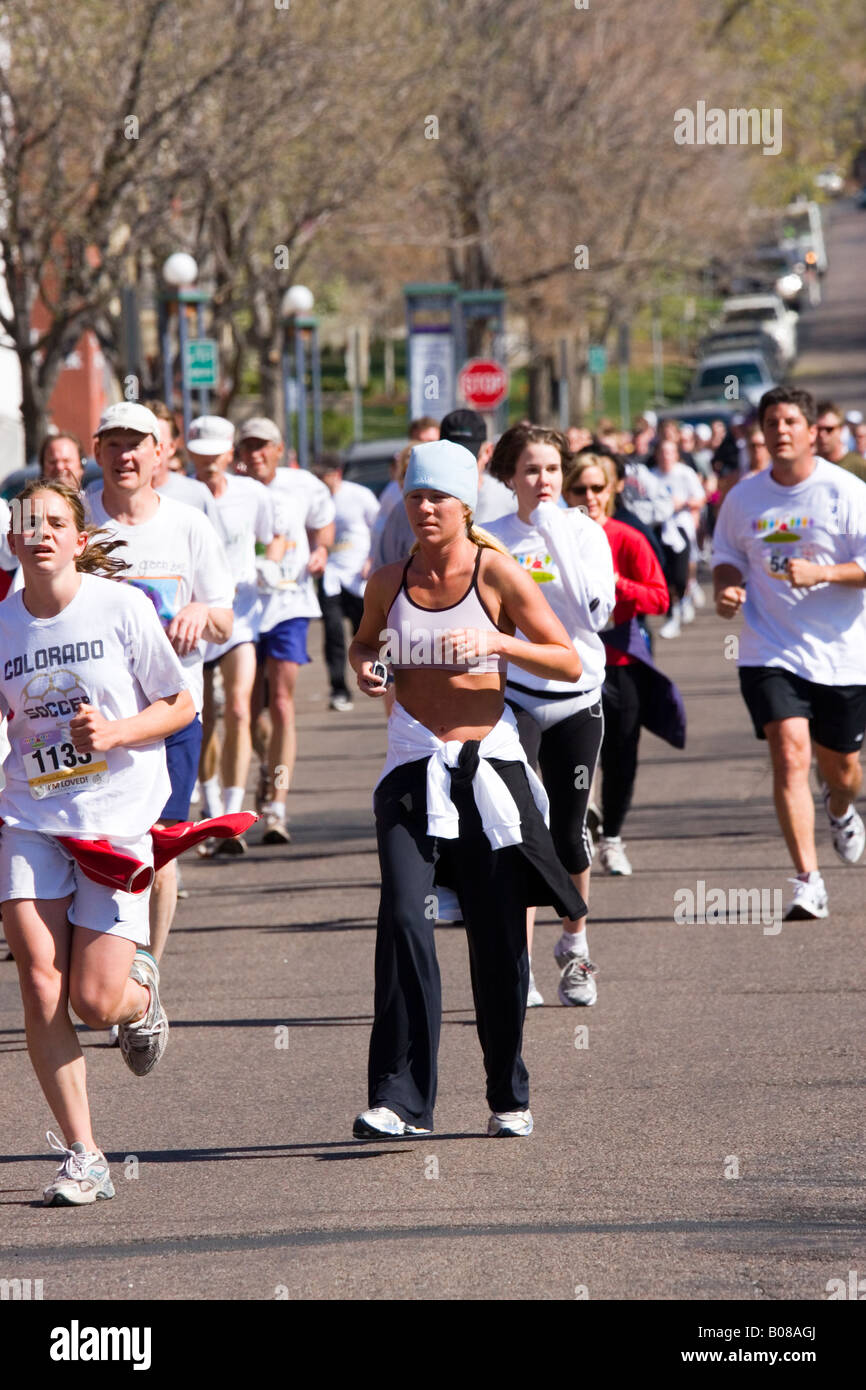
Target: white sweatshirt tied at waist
(409, 740)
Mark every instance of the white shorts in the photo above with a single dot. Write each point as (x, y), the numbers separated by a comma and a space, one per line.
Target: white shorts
(38, 866)
(247, 609)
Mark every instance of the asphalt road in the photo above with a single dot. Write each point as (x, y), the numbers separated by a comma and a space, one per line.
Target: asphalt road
(713, 1050)
(701, 1139)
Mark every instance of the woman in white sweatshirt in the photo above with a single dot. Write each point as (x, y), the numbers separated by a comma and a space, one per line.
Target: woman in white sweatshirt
(560, 722)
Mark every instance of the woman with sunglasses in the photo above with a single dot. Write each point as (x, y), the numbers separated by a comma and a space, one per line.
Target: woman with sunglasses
(560, 722)
(591, 485)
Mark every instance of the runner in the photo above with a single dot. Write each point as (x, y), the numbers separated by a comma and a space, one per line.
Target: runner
(171, 483)
(790, 550)
(634, 692)
(560, 721)
(341, 588)
(62, 457)
(245, 518)
(91, 687)
(304, 515)
(456, 802)
(176, 557)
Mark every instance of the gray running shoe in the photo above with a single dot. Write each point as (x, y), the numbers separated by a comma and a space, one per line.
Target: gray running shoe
(576, 983)
(143, 1043)
(82, 1178)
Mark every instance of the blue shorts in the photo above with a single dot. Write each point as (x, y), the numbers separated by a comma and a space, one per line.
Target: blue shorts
(285, 642)
(181, 754)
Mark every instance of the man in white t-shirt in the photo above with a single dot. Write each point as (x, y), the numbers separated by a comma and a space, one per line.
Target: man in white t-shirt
(245, 520)
(341, 589)
(790, 550)
(177, 559)
(304, 518)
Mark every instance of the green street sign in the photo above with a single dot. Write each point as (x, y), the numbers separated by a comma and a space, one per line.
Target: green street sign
(201, 362)
(597, 360)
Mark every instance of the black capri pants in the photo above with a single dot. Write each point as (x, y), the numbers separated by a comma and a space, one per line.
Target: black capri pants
(494, 888)
(566, 755)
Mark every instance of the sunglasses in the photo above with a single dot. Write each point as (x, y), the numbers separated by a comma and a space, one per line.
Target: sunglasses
(588, 487)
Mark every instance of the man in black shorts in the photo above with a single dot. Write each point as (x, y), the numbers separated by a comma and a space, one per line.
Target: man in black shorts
(790, 550)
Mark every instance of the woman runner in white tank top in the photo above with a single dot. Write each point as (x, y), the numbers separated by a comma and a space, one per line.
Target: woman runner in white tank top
(456, 803)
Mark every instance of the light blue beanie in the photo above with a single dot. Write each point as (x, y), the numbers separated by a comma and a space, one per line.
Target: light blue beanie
(443, 466)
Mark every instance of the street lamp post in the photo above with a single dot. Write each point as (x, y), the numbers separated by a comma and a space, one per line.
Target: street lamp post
(180, 271)
(296, 305)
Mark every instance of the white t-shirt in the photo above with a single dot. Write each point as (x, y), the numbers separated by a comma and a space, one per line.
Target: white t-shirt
(245, 513)
(818, 633)
(182, 488)
(176, 558)
(569, 558)
(357, 509)
(107, 649)
(682, 485)
(316, 501)
(298, 598)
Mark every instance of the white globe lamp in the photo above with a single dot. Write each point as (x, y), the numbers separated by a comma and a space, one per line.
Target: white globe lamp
(180, 270)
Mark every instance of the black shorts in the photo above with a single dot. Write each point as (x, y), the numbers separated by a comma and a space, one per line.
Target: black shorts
(836, 713)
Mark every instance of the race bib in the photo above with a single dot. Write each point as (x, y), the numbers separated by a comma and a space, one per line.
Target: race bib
(776, 559)
(52, 765)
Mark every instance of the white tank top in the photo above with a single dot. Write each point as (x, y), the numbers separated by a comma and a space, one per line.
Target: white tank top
(417, 636)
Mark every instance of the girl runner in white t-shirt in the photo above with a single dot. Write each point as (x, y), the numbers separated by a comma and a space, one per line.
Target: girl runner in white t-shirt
(90, 686)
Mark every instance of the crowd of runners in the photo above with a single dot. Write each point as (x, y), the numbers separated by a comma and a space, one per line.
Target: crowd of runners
(498, 595)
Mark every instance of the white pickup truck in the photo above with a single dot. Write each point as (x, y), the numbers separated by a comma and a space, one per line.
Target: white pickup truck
(764, 313)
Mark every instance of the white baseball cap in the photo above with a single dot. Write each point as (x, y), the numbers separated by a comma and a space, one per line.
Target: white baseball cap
(128, 415)
(210, 434)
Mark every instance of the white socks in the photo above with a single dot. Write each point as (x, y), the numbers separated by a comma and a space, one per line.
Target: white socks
(213, 797)
(275, 808)
(572, 941)
(234, 800)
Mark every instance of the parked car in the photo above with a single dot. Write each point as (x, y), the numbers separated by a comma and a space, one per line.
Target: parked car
(370, 463)
(764, 313)
(726, 342)
(746, 373)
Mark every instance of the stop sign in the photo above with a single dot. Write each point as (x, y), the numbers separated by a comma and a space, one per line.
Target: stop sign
(483, 384)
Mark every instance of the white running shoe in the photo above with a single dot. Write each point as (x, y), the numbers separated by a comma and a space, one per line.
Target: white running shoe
(382, 1123)
(673, 626)
(613, 856)
(275, 830)
(576, 983)
(144, 1042)
(697, 595)
(687, 610)
(82, 1178)
(534, 997)
(341, 702)
(509, 1124)
(808, 903)
(849, 833)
